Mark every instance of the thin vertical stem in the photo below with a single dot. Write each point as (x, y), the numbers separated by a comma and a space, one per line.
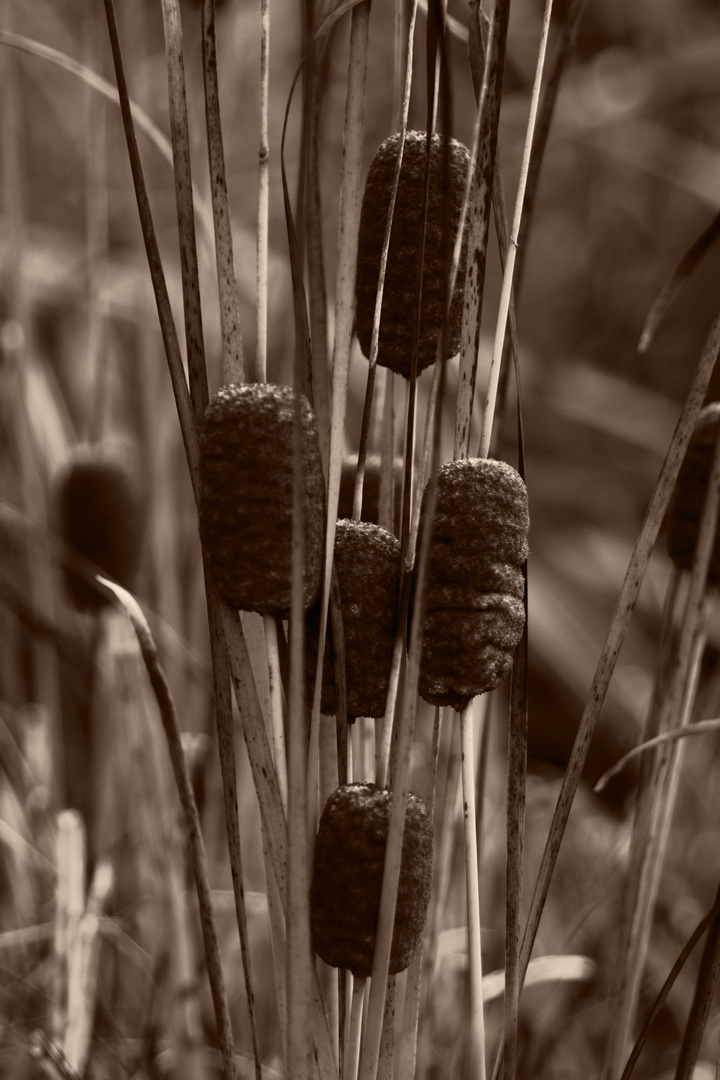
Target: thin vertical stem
(467, 768)
(263, 198)
(512, 249)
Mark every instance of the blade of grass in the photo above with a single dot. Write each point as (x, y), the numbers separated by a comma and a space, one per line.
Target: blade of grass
(700, 727)
(162, 299)
(666, 988)
(144, 124)
(303, 348)
(615, 637)
(348, 223)
(702, 999)
(641, 816)
(232, 358)
(180, 139)
(485, 139)
(227, 284)
(505, 295)
(546, 111)
(406, 725)
(666, 297)
(375, 337)
(677, 707)
(317, 289)
(171, 726)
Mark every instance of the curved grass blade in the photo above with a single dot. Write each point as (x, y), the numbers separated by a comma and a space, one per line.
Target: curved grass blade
(689, 262)
(141, 119)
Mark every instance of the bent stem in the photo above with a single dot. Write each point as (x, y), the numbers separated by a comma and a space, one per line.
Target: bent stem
(168, 715)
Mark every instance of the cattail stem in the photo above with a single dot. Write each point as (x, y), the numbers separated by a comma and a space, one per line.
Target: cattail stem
(505, 294)
(263, 198)
(352, 1051)
(277, 725)
(349, 218)
(169, 718)
(233, 361)
(477, 1022)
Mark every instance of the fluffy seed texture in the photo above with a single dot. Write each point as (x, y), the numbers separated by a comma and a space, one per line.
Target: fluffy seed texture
(367, 561)
(347, 878)
(100, 512)
(686, 505)
(474, 613)
(444, 209)
(246, 497)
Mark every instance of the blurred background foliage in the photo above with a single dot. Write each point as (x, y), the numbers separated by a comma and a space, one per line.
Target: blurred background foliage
(631, 177)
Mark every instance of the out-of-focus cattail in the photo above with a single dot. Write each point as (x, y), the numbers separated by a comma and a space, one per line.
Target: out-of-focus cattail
(367, 562)
(99, 511)
(686, 505)
(246, 497)
(347, 878)
(474, 613)
(443, 213)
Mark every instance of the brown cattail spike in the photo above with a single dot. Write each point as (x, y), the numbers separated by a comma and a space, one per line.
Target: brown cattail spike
(367, 562)
(443, 213)
(686, 505)
(246, 497)
(474, 611)
(347, 878)
(100, 509)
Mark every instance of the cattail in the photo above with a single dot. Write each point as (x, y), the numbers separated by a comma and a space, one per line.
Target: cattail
(99, 511)
(443, 218)
(347, 878)
(246, 497)
(367, 562)
(474, 614)
(686, 505)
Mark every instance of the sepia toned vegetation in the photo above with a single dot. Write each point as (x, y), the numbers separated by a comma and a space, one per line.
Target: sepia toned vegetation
(164, 759)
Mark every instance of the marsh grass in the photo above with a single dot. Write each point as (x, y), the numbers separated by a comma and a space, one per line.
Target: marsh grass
(104, 979)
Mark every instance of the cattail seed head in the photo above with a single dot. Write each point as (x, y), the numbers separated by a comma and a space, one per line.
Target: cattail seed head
(686, 504)
(100, 509)
(347, 878)
(246, 497)
(474, 611)
(443, 213)
(367, 562)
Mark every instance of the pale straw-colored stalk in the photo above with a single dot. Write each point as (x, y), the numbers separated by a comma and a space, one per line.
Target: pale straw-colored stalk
(83, 972)
(69, 907)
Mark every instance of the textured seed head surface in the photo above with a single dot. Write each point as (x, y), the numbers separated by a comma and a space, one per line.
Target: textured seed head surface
(100, 510)
(444, 210)
(474, 612)
(347, 878)
(367, 562)
(686, 505)
(246, 497)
